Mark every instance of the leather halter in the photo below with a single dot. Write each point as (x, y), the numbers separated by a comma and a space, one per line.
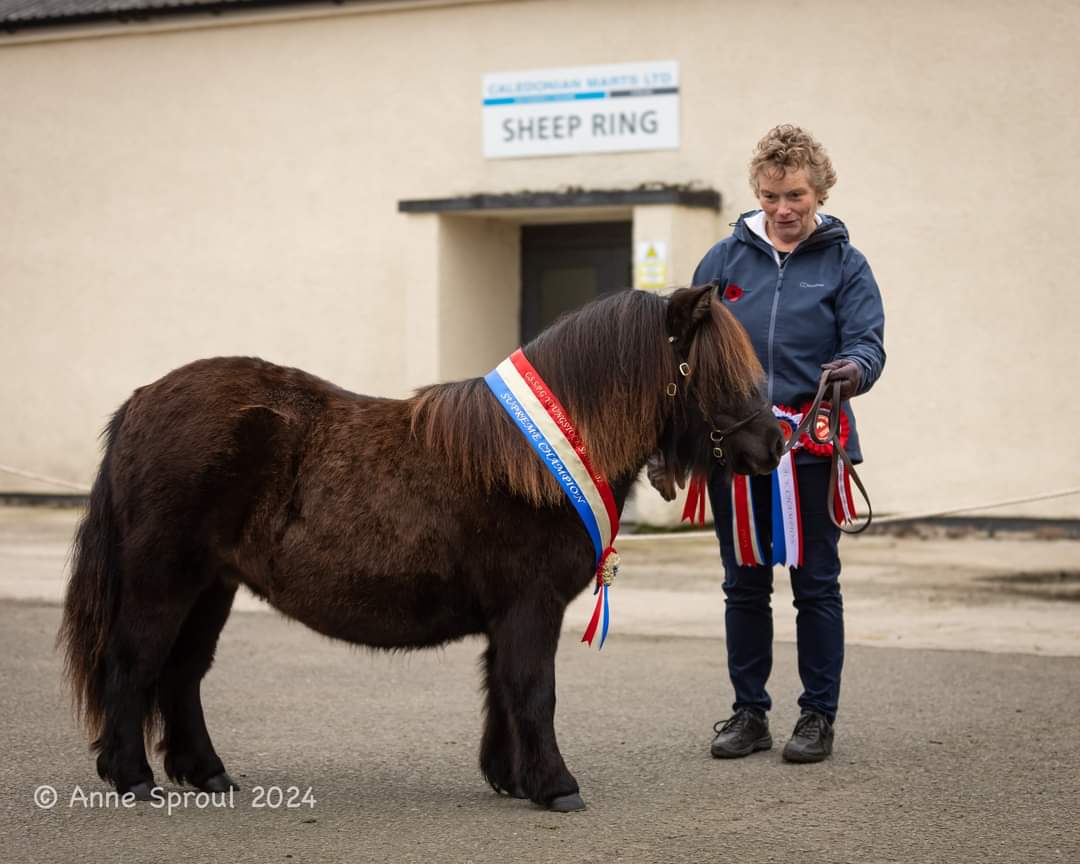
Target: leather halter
(717, 436)
(808, 426)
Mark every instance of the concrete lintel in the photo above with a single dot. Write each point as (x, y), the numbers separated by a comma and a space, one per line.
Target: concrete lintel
(684, 196)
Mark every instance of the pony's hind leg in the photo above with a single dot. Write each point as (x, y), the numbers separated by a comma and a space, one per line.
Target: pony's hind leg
(121, 758)
(525, 641)
(189, 753)
(138, 645)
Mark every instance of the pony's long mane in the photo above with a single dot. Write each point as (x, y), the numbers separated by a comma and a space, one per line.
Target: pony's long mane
(609, 363)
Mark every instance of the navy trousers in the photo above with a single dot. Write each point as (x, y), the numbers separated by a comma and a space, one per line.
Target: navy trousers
(819, 620)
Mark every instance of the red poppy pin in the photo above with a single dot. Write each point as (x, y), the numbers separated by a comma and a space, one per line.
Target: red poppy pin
(733, 292)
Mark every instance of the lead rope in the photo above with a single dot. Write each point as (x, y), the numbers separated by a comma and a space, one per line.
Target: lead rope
(808, 426)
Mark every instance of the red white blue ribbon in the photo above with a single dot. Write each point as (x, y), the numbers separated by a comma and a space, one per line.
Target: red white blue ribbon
(547, 427)
(787, 536)
(786, 516)
(743, 527)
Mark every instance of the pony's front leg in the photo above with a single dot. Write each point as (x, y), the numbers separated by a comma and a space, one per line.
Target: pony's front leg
(523, 672)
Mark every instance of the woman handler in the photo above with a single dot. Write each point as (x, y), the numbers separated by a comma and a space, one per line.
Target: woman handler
(808, 300)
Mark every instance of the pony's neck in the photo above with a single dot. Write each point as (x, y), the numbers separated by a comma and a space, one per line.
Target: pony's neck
(609, 365)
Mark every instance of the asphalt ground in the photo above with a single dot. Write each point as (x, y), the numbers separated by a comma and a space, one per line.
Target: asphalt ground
(942, 754)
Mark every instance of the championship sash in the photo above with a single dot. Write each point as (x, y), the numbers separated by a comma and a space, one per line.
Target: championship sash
(547, 427)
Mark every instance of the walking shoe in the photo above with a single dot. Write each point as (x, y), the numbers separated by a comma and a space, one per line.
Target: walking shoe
(741, 734)
(812, 739)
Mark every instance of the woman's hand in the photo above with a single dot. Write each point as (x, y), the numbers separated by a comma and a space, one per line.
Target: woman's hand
(848, 373)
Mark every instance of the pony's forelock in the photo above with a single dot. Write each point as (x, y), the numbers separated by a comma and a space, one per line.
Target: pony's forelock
(733, 368)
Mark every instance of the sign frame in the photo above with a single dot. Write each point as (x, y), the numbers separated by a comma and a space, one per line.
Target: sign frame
(613, 108)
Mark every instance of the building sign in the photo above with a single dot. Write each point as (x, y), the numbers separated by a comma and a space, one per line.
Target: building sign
(652, 265)
(582, 109)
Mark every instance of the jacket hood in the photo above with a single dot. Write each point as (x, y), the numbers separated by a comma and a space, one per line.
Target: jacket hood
(830, 231)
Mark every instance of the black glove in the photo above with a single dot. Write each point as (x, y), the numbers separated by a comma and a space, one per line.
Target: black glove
(848, 373)
(661, 480)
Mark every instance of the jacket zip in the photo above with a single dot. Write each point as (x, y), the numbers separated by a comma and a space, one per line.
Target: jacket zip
(772, 321)
(776, 306)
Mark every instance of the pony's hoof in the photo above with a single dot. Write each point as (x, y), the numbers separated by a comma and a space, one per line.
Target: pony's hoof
(219, 783)
(566, 803)
(142, 791)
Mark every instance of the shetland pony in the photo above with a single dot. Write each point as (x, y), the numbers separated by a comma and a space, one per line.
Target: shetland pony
(388, 523)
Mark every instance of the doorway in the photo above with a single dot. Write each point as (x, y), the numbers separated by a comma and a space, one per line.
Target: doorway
(565, 266)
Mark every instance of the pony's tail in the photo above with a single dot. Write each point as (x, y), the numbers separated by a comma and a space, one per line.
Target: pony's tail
(92, 592)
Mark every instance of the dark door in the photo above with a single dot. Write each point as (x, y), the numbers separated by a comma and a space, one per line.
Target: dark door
(563, 267)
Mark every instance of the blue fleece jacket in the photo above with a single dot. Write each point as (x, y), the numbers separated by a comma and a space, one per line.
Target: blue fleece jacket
(819, 304)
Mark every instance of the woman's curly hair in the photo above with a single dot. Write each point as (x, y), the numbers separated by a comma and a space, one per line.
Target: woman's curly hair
(789, 148)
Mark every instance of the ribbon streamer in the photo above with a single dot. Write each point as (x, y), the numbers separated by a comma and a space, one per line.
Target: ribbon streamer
(744, 528)
(843, 500)
(787, 536)
(785, 511)
(694, 508)
(605, 575)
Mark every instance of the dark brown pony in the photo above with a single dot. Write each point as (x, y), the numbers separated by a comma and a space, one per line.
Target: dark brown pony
(389, 523)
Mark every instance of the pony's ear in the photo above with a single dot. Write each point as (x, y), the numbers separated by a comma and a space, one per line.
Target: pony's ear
(688, 307)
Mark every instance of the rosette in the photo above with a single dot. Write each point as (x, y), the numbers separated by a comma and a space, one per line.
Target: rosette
(821, 431)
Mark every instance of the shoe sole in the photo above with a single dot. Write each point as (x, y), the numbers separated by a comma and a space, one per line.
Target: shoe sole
(761, 744)
(805, 758)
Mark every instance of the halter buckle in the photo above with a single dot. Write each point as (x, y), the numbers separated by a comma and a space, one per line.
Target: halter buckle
(684, 368)
(718, 453)
(672, 389)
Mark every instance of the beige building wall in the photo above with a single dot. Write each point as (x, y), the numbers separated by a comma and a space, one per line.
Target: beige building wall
(478, 309)
(230, 185)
